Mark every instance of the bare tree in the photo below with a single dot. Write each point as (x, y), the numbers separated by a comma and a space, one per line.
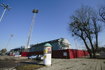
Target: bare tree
(85, 26)
(3, 51)
(102, 13)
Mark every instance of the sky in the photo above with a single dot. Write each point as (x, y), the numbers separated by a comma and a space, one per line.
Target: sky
(51, 21)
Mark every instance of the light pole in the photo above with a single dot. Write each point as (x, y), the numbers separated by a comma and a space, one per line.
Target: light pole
(31, 27)
(9, 40)
(6, 7)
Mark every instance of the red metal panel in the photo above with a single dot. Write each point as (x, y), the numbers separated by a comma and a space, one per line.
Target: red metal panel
(31, 53)
(74, 53)
(71, 53)
(59, 54)
(24, 54)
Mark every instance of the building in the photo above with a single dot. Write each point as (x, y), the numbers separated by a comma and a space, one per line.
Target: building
(60, 49)
(58, 44)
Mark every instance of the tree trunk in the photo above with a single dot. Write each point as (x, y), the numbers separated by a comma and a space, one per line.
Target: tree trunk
(93, 50)
(88, 49)
(96, 34)
(96, 43)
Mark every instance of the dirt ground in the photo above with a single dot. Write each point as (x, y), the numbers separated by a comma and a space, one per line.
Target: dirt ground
(23, 63)
(76, 64)
(14, 63)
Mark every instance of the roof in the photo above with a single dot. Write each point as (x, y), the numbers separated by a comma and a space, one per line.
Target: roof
(48, 45)
(47, 42)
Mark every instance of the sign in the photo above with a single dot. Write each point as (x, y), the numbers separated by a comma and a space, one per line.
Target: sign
(47, 50)
(64, 53)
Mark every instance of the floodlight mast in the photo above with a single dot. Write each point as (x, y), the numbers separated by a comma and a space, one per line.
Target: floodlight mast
(9, 40)
(31, 26)
(6, 7)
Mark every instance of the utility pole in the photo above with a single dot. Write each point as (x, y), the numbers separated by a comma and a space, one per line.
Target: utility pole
(31, 27)
(6, 7)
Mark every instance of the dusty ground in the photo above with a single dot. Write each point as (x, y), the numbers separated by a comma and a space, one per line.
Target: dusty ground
(76, 64)
(13, 63)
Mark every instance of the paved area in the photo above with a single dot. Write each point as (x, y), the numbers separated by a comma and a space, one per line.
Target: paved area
(76, 64)
(9, 63)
